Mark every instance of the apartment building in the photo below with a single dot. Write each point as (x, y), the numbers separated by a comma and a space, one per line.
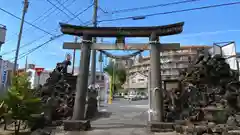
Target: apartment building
(6, 68)
(172, 63)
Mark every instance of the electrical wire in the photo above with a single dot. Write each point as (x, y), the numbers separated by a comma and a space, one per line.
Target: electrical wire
(58, 8)
(146, 7)
(176, 11)
(152, 6)
(104, 11)
(39, 46)
(39, 18)
(22, 55)
(172, 12)
(26, 22)
(25, 45)
(68, 10)
(116, 11)
(30, 43)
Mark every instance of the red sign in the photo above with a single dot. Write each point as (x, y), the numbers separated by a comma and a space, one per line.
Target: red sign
(39, 71)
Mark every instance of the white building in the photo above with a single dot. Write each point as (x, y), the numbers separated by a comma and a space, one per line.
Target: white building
(36, 80)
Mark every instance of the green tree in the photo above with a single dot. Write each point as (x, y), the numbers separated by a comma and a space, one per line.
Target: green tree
(20, 101)
(119, 75)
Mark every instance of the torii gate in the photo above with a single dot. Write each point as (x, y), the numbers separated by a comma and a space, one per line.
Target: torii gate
(154, 46)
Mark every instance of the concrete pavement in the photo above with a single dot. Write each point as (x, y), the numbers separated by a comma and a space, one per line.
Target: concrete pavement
(119, 118)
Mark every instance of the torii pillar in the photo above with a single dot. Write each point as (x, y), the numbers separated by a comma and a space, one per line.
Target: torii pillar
(82, 80)
(78, 121)
(156, 82)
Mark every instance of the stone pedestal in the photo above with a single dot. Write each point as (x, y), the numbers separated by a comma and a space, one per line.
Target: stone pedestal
(76, 125)
(91, 105)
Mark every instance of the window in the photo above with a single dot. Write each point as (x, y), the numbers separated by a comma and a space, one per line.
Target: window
(102, 77)
(141, 80)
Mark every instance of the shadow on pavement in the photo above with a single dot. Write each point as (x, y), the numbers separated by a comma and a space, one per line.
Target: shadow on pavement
(101, 115)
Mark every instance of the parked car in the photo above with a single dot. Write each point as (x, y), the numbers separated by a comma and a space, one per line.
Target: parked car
(126, 96)
(132, 97)
(144, 97)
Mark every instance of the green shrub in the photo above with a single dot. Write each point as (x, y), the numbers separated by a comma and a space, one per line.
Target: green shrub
(20, 101)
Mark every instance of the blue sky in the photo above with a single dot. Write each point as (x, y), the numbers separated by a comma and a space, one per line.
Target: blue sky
(202, 27)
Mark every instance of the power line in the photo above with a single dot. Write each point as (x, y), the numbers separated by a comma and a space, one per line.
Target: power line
(5, 53)
(39, 18)
(26, 22)
(68, 10)
(146, 7)
(51, 39)
(176, 11)
(58, 8)
(25, 45)
(171, 12)
(104, 11)
(152, 6)
(39, 46)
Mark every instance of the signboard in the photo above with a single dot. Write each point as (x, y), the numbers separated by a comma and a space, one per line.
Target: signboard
(4, 73)
(39, 71)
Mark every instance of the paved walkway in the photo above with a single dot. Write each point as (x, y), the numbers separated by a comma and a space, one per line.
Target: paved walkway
(120, 118)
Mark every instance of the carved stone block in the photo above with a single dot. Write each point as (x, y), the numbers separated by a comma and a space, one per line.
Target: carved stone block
(76, 125)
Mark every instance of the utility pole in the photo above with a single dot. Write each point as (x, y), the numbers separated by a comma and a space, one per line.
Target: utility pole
(26, 63)
(74, 55)
(93, 63)
(20, 35)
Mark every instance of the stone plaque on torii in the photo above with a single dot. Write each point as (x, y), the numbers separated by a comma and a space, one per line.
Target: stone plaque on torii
(154, 46)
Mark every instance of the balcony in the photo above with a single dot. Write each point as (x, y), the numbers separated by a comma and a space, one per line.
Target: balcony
(174, 53)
